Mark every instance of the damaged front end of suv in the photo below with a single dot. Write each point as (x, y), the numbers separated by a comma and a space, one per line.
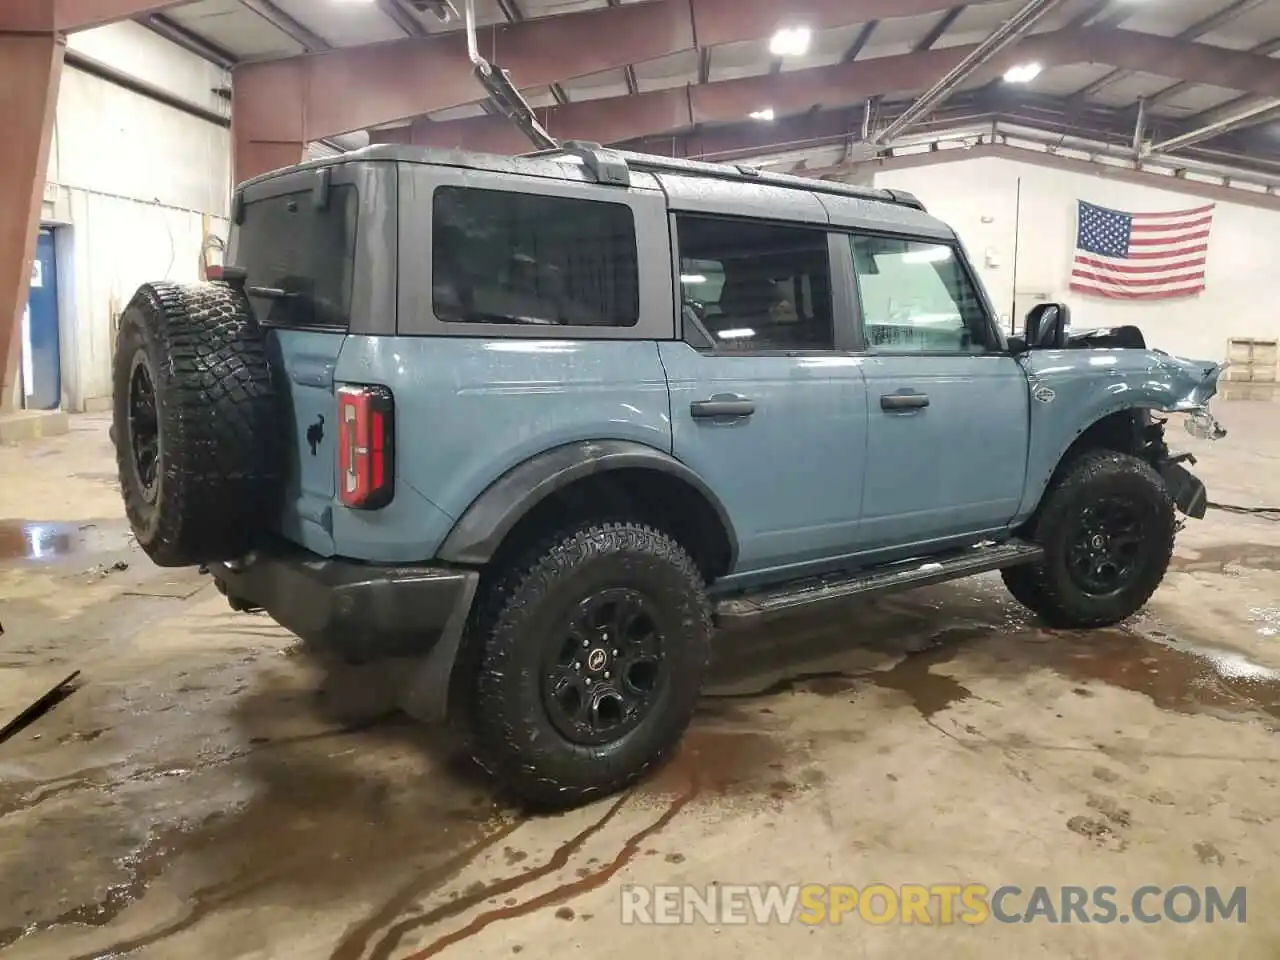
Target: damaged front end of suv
(1106, 389)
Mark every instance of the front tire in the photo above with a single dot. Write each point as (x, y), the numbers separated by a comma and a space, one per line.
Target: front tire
(588, 661)
(1107, 528)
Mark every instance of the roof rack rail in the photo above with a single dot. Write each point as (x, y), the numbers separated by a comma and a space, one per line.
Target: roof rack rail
(610, 166)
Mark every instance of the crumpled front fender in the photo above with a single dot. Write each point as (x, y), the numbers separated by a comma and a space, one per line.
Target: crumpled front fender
(1192, 384)
(1074, 389)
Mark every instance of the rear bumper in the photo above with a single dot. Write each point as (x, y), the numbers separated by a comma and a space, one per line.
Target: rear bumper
(360, 611)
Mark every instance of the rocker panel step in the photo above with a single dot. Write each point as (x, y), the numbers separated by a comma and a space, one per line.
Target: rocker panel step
(832, 588)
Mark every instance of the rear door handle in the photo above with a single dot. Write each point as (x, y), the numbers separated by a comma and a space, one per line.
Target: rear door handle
(903, 401)
(723, 405)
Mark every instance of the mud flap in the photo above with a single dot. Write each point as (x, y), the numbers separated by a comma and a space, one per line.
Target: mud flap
(1187, 491)
(423, 691)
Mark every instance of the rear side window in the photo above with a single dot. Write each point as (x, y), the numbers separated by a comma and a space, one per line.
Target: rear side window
(754, 286)
(300, 259)
(502, 257)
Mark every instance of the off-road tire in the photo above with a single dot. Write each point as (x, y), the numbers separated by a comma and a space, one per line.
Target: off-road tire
(510, 732)
(220, 423)
(1048, 588)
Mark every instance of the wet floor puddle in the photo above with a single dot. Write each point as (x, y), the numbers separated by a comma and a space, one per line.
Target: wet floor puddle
(34, 541)
(1218, 559)
(1174, 673)
(311, 829)
(366, 829)
(720, 765)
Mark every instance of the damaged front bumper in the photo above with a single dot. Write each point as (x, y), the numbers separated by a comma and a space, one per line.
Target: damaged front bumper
(1187, 490)
(1191, 385)
(1201, 423)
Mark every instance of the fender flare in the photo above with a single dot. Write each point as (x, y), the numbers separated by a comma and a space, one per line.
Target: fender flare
(479, 532)
(1036, 486)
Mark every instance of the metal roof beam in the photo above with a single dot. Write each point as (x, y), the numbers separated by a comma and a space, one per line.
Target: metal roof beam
(71, 15)
(312, 42)
(1226, 119)
(860, 41)
(174, 32)
(657, 112)
(1003, 36)
(1264, 49)
(1237, 9)
(305, 98)
(937, 31)
(404, 17)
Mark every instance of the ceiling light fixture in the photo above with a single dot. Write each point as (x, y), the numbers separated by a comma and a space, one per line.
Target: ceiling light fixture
(763, 116)
(1022, 73)
(791, 42)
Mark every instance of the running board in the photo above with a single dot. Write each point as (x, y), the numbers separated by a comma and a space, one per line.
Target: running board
(810, 592)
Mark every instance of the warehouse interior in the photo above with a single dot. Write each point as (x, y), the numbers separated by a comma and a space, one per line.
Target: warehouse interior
(179, 780)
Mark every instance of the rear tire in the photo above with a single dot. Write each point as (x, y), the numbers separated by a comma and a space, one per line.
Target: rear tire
(587, 662)
(197, 424)
(1107, 528)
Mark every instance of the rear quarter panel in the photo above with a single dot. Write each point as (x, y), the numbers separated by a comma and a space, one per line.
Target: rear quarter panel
(1073, 389)
(470, 409)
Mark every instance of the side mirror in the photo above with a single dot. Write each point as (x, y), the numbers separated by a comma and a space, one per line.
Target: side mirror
(1047, 326)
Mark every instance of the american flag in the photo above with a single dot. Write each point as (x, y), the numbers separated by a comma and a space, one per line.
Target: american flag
(1141, 256)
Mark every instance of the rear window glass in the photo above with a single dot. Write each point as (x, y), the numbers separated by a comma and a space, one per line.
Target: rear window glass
(502, 257)
(300, 259)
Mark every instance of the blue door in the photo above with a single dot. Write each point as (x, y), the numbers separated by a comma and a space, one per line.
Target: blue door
(763, 405)
(947, 420)
(41, 356)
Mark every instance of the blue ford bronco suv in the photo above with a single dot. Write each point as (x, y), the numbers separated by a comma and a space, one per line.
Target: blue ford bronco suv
(539, 424)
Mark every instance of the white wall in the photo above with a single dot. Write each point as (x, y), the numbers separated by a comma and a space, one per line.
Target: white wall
(135, 184)
(979, 198)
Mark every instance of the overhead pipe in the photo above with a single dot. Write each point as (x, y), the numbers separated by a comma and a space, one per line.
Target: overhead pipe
(1009, 31)
(502, 92)
(1223, 172)
(1224, 124)
(1140, 127)
(192, 43)
(966, 132)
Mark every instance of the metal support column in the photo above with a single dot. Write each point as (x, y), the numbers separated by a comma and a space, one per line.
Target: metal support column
(28, 98)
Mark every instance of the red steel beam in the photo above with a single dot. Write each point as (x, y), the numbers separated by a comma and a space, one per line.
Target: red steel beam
(66, 16)
(615, 119)
(33, 65)
(74, 15)
(338, 91)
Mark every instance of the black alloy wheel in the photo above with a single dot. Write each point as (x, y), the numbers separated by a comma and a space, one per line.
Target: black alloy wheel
(608, 670)
(144, 427)
(1107, 548)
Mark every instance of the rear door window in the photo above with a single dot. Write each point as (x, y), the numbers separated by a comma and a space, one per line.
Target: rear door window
(300, 258)
(501, 257)
(754, 286)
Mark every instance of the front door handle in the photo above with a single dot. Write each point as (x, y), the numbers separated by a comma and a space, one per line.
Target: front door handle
(723, 405)
(903, 401)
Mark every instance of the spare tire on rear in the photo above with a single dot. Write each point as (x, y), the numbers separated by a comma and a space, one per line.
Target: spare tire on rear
(197, 423)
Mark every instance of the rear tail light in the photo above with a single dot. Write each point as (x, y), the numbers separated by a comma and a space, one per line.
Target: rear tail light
(366, 447)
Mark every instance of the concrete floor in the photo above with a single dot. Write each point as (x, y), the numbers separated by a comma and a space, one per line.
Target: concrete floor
(210, 792)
